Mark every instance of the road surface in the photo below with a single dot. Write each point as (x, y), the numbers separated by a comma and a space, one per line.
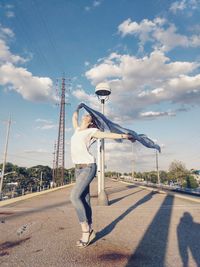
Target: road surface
(139, 228)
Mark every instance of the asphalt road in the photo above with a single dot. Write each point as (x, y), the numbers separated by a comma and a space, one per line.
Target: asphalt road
(139, 228)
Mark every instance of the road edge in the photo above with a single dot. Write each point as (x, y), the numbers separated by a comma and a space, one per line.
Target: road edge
(17, 199)
(165, 192)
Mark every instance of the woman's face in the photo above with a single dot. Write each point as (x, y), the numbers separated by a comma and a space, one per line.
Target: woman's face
(87, 118)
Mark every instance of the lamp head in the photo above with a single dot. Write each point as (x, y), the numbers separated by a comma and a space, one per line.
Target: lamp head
(102, 90)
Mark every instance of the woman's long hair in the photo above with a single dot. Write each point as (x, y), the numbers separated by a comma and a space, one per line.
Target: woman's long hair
(93, 123)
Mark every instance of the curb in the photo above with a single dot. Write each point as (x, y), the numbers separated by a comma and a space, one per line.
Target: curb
(167, 193)
(17, 199)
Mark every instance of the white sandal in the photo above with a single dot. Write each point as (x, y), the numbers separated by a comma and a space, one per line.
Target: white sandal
(82, 244)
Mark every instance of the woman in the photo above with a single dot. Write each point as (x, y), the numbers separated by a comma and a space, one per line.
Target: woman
(85, 170)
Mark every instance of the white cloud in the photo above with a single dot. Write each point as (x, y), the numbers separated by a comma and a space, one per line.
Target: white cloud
(67, 130)
(137, 84)
(100, 72)
(82, 96)
(153, 114)
(7, 56)
(86, 63)
(5, 32)
(33, 88)
(47, 127)
(134, 72)
(45, 124)
(10, 14)
(126, 156)
(162, 34)
(178, 5)
(94, 4)
(19, 79)
(43, 120)
(87, 8)
(9, 6)
(183, 5)
(36, 151)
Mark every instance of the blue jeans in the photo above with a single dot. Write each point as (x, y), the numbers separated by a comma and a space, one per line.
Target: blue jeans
(80, 194)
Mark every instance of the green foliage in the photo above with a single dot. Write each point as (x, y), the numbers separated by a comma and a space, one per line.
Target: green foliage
(163, 177)
(190, 182)
(69, 175)
(177, 172)
(112, 174)
(153, 177)
(28, 178)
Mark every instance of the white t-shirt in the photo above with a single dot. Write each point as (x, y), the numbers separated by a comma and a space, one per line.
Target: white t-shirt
(80, 145)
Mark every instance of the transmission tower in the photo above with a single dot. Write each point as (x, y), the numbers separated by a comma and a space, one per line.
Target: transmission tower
(60, 151)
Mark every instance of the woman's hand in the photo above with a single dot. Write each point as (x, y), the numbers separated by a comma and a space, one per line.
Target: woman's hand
(79, 106)
(128, 137)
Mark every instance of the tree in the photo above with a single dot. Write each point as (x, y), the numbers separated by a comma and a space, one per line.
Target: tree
(38, 171)
(163, 177)
(190, 182)
(178, 172)
(153, 177)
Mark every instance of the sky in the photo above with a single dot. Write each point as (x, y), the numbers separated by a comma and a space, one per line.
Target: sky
(146, 50)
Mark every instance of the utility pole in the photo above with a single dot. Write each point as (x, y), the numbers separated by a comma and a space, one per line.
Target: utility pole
(41, 181)
(5, 156)
(54, 165)
(157, 169)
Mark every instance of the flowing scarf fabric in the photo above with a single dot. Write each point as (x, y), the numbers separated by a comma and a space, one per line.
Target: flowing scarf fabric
(104, 124)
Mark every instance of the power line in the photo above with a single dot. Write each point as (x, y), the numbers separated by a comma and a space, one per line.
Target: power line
(49, 35)
(18, 156)
(23, 27)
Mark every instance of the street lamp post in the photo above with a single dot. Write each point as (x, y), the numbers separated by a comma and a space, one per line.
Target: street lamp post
(103, 91)
(133, 163)
(157, 169)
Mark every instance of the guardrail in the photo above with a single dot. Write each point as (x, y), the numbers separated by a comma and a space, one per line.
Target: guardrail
(22, 192)
(194, 192)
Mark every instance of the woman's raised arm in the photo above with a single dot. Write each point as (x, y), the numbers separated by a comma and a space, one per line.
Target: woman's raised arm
(75, 119)
(101, 135)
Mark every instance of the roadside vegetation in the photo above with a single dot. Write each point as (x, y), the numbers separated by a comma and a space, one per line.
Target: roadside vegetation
(19, 180)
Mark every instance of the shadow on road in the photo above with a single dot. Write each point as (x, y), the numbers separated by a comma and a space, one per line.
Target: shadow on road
(188, 233)
(108, 229)
(35, 210)
(152, 248)
(113, 201)
(119, 189)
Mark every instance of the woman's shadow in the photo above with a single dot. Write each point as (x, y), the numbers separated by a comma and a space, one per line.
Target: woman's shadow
(188, 233)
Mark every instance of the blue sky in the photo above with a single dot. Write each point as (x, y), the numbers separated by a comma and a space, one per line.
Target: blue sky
(148, 51)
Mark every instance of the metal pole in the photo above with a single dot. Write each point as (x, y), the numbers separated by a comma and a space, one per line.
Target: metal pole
(158, 174)
(102, 197)
(41, 174)
(99, 164)
(5, 156)
(133, 162)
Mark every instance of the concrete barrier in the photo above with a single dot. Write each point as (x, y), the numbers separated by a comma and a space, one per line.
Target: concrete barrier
(24, 197)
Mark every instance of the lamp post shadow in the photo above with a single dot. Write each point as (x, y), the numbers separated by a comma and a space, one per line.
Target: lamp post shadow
(113, 201)
(151, 250)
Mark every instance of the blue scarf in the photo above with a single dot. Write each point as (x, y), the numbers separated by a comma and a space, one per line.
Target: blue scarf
(104, 124)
